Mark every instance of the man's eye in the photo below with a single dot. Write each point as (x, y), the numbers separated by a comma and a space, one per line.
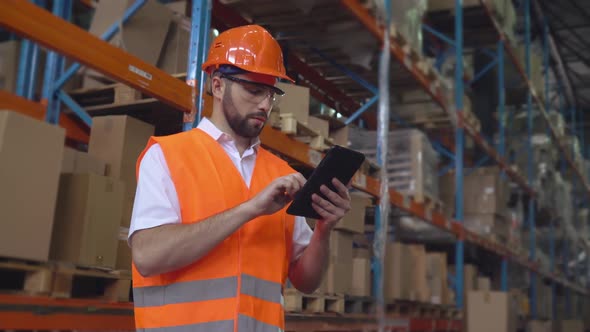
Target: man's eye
(256, 92)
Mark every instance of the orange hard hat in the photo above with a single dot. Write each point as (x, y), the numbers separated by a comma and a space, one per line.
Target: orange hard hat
(250, 48)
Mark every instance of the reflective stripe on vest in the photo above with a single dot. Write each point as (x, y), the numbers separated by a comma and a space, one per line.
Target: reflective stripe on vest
(222, 326)
(204, 290)
(245, 324)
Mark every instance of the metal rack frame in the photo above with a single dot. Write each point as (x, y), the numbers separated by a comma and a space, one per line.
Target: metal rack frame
(59, 36)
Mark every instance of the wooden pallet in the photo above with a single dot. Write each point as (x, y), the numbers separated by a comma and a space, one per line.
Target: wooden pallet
(422, 310)
(359, 304)
(115, 94)
(63, 280)
(110, 95)
(289, 125)
(296, 301)
(429, 201)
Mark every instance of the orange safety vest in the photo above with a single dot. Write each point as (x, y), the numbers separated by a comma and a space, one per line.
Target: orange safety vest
(238, 285)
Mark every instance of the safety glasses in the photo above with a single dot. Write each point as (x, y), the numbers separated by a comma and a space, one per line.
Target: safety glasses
(257, 92)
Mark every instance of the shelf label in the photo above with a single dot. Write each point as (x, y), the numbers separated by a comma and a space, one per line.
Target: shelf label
(140, 72)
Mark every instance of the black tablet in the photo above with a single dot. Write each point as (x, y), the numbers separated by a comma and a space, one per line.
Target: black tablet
(340, 163)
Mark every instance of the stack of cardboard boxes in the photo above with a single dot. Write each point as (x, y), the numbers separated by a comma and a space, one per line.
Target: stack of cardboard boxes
(485, 202)
(82, 201)
(349, 266)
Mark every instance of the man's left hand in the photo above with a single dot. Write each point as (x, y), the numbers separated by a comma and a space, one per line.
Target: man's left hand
(335, 206)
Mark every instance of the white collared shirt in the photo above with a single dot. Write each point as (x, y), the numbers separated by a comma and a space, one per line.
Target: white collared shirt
(156, 201)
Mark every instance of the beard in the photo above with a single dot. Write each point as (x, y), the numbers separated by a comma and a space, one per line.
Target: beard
(241, 124)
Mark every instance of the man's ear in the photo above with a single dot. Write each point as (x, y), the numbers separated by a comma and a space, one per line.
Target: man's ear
(217, 86)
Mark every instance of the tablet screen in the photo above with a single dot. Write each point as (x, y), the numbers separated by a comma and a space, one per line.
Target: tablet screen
(340, 163)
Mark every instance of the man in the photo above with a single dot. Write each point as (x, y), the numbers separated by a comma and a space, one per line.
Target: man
(212, 244)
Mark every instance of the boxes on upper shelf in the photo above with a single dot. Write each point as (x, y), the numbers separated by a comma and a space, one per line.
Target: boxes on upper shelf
(295, 101)
(412, 162)
(31, 154)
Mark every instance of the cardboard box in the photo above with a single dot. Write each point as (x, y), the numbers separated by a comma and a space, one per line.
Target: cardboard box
(572, 326)
(484, 284)
(469, 278)
(118, 140)
(9, 59)
(87, 216)
(86, 163)
(487, 312)
(295, 101)
(79, 162)
(68, 163)
(123, 261)
(354, 220)
(490, 225)
(31, 154)
(341, 246)
(338, 278)
(340, 136)
(396, 272)
(485, 192)
(321, 126)
(446, 192)
(418, 285)
(436, 275)
(361, 253)
(361, 277)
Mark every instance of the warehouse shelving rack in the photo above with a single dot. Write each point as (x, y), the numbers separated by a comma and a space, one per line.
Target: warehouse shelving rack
(61, 37)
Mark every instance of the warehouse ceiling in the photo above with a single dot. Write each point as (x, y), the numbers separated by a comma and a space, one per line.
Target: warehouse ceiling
(569, 22)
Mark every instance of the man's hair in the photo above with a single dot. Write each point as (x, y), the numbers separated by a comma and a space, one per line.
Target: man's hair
(223, 69)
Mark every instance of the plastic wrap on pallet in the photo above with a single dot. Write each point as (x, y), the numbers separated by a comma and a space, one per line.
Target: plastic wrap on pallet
(544, 154)
(406, 18)
(408, 228)
(412, 162)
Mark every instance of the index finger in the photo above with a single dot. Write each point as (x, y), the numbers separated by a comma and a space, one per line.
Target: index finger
(300, 178)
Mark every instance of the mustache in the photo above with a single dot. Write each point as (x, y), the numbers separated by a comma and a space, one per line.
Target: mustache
(258, 115)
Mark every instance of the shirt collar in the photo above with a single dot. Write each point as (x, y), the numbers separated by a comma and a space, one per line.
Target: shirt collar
(211, 129)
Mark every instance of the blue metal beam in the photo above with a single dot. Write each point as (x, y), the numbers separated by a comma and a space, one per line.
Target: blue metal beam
(438, 34)
(22, 79)
(501, 98)
(361, 110)
(478, 164)
(107, 35)
(204, 51)
(51, 71)
(77, 109)
(442, 150)
(197, 44)
(446, 169)
(504, 274)
(483, 71)
(459, 138)
(488, 52)
(34, 64)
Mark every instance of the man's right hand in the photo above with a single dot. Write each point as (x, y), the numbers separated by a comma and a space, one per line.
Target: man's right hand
(277, 194)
